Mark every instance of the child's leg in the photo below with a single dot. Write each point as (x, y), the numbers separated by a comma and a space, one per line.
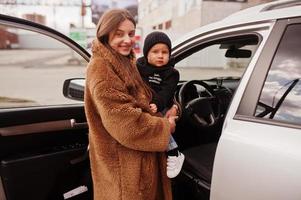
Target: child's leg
(172, 148)
(172, 144)
(175, 159)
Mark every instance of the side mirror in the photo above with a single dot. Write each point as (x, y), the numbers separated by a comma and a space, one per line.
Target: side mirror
(238, 53)
(74, 88)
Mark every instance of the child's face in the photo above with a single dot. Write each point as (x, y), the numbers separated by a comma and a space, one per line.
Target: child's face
(158, 55)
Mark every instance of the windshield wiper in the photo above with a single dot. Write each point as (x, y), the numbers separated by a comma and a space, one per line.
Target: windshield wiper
(270, 109)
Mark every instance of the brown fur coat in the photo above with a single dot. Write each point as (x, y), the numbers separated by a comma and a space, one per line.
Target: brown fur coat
(127, 143)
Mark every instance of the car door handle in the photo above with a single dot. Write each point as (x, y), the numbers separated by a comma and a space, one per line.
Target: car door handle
(78, 125)
(42, 127)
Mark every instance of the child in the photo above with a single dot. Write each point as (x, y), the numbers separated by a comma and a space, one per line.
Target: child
(156, 69)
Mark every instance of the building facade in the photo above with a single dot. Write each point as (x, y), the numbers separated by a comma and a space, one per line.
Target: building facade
(177, 17)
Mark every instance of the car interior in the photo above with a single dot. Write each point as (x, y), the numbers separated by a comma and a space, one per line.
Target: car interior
(204, 106)
(49, 149)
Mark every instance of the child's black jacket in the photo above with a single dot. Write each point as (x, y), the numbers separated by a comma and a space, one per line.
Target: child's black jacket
(163, 81)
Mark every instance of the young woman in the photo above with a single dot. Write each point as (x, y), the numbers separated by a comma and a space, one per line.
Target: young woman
(127, 142)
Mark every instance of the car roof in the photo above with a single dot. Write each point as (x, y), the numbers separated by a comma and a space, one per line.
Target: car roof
(270, 11)
(258, 14)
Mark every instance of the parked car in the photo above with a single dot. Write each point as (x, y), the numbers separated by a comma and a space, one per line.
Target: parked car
(240, 128)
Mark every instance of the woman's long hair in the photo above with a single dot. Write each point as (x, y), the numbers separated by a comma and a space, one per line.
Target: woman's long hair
(108, 23)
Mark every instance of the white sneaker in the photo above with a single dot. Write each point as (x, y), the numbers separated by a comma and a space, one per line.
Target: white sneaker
(174, 165)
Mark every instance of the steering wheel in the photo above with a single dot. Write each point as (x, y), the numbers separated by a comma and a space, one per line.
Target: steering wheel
(201, 110)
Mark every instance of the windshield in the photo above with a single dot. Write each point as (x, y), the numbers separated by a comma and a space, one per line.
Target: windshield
(223, 58)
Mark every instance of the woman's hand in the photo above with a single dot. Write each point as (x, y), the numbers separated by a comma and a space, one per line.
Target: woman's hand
(172, 122)
(173, 111)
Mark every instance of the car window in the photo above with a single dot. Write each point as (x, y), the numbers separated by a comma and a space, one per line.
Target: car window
(33, 68)
(227, 57)
(281, 94)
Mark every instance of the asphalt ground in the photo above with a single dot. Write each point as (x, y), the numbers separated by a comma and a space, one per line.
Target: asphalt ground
(36, 77)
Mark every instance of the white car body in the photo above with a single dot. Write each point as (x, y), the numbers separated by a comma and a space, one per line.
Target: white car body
(254, 159)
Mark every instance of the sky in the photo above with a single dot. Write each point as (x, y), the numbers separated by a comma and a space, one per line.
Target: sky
(57, 17)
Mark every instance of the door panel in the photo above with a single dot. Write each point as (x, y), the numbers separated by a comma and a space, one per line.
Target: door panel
(43, 164)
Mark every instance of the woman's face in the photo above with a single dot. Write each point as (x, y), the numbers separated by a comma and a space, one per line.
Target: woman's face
(122, 39)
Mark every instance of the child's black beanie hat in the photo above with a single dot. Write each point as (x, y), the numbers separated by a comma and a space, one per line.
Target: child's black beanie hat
(155, 38)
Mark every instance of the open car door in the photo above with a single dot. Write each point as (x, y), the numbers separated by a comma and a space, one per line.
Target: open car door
(43, 135)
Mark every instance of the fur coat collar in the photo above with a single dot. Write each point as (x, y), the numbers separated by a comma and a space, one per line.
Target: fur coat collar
(128, 75)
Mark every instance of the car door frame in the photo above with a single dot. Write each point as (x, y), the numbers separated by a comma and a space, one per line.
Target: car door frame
(38, 28)
(47, 31)
(38, 120)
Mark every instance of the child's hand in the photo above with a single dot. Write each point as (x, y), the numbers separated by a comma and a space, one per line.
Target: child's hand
(153, 107)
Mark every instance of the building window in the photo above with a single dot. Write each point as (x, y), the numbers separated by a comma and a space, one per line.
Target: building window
(154, 27)
(168, 24)
(160, 26)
